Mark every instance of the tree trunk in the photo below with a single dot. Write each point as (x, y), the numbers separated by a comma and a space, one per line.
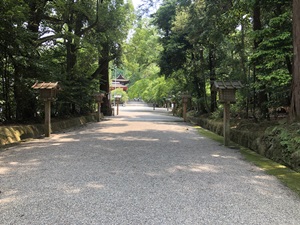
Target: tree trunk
(212, 72)
(24, 99)
(71, 58)
(295, 101)
(200, 84)
(244, 68)
(6, 87)
(104, 86)
(256, 21)
(36, 12)
(262, 96)
(104, 79)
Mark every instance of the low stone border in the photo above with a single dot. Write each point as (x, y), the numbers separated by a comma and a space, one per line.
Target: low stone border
(13, 134)
(267, 143)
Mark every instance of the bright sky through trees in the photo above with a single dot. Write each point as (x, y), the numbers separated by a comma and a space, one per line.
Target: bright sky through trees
(136, 3)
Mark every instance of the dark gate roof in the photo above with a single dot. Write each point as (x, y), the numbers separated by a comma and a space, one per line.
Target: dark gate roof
(121, 79)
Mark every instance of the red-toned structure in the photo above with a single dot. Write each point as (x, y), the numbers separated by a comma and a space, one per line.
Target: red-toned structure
(120, 82)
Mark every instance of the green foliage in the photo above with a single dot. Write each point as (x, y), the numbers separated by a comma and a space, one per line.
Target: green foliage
(214, 40)
(174, 44)
(190, 43)
(141, 51)
(289, 140)
(141, 63)
(272, 57)
(119, 91)
(136, 90)
(152, 90)
(64, 41)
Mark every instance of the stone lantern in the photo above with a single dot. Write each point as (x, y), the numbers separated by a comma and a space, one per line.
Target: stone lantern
(227, 91)
(185, 99)
(99, 99)
(48, 93)
(168, 103)
(118, 98)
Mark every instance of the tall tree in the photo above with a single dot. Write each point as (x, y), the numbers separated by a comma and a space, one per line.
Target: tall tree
(295, 101)
(115, 21)
(142, 51)
(271, 58)
(56, 41)
(18, 56)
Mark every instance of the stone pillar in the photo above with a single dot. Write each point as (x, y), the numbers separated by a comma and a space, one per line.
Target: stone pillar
(99, 112)
(184, 111)
(118, 106)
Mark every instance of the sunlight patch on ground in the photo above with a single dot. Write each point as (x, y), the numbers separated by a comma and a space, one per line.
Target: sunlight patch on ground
(128, 138)
(152, 174)
(222, 156)
(4, 170)
(77, 190)
(33, 162)
(264, 177)
(7, 200)
(95, 185)
(8, 197)
(64, 139)
(71, 190)
(194, 168)
(56, 144)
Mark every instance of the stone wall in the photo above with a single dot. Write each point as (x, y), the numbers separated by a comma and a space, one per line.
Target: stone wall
(276, 143)
(12, 134)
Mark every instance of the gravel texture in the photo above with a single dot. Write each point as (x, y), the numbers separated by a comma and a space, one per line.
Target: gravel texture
(140, 167)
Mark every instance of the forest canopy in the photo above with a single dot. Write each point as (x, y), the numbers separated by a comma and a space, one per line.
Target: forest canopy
(183, 46)
(204, 41)
(69, 41)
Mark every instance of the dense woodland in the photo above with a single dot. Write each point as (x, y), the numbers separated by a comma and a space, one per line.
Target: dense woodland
(72, 42)
(183, 46)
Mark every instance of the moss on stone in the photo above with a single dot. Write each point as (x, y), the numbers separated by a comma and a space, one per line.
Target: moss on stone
(276, 140)
(287, 176)
(13, 134)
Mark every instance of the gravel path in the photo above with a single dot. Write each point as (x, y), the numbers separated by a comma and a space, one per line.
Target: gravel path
(140, 167)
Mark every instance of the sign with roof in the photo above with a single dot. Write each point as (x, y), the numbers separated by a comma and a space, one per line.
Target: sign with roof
(227, 90)
(227, 96)
(48, 91)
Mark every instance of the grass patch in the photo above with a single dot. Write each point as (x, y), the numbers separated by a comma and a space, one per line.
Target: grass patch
(209, 134)
(288, 177)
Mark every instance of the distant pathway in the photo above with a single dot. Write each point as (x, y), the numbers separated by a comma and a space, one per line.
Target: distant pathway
(140, 167)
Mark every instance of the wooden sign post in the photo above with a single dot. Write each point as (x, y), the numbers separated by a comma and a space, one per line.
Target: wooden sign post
(48, 94)
(227, 91)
